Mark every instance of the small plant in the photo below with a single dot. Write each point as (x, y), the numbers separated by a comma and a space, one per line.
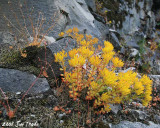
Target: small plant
(25, 53)
(33, 34)
(141, 44)
(93, 72)
(153, 46)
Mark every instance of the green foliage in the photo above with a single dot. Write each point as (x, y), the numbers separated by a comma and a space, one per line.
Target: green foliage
(141, 44)
(13, 59)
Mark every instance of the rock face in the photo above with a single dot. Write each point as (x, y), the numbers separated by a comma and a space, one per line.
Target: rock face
(75, 13)
(139, 21)
(156, 81)
(68, 14)
(16, 81)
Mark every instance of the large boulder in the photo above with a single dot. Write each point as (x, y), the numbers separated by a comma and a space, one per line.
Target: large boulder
(16, 81)
(75, 13)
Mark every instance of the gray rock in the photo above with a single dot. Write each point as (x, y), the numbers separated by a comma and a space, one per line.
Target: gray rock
(104, 29)
(16, 81)
(149, 13)
(155, 77)
(7, 38)
(60, 116)
(139, 104)
(68, 14)
(77, 15)
(156, 81)
(128, 124)
(132, 44)
(134, 52)
(128, 69)
(49, 39)
(115, 108)
(157, 118)
(99, 17)
(123, 50)
(139, 17)
(91, 4)
(61, 122)
(139, 114)
(115, 40)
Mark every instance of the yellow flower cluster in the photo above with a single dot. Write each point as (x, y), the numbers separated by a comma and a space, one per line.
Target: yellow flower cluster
(109, 77)
(148, 89)
(108, 47)
(95, 73)
(108, 52)
(76, 61)
(117, 62)
(95, 61)
(59, 57)
(85, 52)
(61, 34)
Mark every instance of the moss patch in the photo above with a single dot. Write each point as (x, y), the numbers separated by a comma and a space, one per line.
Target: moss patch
(114, 13)
(13, 59)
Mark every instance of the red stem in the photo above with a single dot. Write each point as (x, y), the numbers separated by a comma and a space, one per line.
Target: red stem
(5, 97)
(28, 89)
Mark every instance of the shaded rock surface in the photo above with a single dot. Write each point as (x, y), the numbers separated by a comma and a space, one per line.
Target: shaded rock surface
(16, 81)
(139, 18)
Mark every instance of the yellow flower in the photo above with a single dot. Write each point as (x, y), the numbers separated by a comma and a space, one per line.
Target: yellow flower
(68, 77)
(117, 100)
(95, 40)
(83, 43)
(148, 89)
(94, 85)
(105, 97)
(146, 100)
(61, 34)
(107, 108)
(77, 60)
(138, 87)
(125, 91)
(109, 77)
(59, 57)
(108, 47)
(95, 60)
(117, 62)
(85, 52)
(69, 31)
(107, 57)
(73, 52)
(88, 37)
(125, 81)
(146, 80)
(79, 37)
(75, 30)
